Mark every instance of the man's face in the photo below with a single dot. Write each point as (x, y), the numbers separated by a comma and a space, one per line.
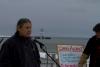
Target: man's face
(98, 34)
(25, 30)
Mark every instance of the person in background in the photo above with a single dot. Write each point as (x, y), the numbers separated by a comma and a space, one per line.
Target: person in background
(92, 49)
(20, 50)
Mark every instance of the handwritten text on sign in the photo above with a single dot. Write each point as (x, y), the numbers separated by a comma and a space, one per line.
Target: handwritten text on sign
(69, 55)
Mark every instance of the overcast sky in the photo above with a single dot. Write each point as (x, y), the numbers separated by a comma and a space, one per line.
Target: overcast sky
(65, 18)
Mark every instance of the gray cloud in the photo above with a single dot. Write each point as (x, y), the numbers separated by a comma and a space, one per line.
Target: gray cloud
(57, 17)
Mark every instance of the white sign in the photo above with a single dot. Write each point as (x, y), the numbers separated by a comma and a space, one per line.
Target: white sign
(69, 55)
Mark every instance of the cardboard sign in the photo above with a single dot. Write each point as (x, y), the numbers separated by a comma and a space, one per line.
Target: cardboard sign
(69, 55)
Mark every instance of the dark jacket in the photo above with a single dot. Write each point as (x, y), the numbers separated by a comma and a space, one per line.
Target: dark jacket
(93, 50)
(18, 51)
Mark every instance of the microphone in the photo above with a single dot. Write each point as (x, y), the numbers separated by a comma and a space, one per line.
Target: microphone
(41, 44)
(43, 47)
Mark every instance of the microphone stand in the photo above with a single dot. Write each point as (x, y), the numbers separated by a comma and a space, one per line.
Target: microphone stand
(42, 47)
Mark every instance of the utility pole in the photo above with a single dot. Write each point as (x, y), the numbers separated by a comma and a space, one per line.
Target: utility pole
(42, 33)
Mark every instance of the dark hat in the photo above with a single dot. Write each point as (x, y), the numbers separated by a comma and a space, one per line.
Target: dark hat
(96, 28)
